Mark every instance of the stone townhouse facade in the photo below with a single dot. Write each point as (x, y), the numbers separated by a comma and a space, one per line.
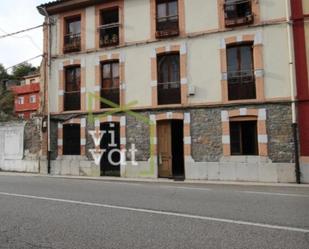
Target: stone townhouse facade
(207, 84)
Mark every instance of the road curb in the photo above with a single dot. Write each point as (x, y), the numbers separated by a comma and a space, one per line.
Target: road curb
(170, 181)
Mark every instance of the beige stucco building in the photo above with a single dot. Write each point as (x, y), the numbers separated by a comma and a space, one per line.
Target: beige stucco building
(211, 77)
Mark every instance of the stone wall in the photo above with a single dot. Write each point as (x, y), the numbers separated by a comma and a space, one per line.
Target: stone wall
(138, 133)
(206, 133)
(207, 160)
(20, 144)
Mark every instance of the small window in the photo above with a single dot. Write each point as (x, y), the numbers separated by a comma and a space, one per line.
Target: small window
(110, 83)
(71, 139)
(72, 36)
(109, 29)
(72, 89)
(21, 115)
(20, 100)
(238, 12)
(167, 18)
(169, 91)
(32, 99)
(244, 138)
(32, 81)
(241, 80)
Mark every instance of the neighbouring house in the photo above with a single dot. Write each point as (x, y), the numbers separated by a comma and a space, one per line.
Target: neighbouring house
(27, 97)
(300, 18)
(213, 77)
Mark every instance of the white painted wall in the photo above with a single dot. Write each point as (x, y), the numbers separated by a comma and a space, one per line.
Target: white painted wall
(90, 27)
(203, 65)
(272, 9)
(137, 20)
(201, 15)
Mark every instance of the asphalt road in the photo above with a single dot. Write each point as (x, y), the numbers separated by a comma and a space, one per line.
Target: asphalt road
(41, 212)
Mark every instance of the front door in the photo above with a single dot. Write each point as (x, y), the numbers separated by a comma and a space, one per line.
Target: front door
(165, 159)
(110, 162)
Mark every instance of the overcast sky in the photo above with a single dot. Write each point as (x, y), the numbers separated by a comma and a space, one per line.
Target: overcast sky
(16, 15)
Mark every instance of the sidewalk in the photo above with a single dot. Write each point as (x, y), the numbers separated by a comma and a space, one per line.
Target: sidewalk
(159, 180)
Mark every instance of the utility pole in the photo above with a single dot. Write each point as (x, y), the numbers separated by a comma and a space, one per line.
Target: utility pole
(289, 23)
(47, 79)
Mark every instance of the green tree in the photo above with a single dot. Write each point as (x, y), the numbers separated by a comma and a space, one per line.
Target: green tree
(22, 70)
(3, 73)
(6, 105)
(6, 97)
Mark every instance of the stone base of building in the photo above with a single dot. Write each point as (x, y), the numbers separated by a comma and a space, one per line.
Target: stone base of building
(304, 169)
(251, 169)
(26, 166)
(74, 166)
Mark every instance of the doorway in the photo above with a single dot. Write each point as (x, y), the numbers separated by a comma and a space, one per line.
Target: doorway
(170, 149)
(110, 161)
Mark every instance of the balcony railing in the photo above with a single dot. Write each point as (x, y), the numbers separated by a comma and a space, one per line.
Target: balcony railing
(111, 94)
(109, 34)
(241, 85)
(238, 12)
(167, 26)
(72, 43)
(72, 101)
(169, 93)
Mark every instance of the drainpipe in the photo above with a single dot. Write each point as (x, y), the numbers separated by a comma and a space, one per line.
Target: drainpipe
(292, 86)
(43, 11)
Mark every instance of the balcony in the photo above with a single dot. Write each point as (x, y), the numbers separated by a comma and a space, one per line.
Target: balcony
(109, 35)
(72, 101)
(167, 26)
(241, 85)
(111, 94)
(72, 43)
(238, 12)
(169, 93)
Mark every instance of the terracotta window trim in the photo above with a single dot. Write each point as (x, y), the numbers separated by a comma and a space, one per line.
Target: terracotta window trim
(78, 121)
(103, 59)
(245, 114)
(118, 4)
(256, 15)
(68, 15)
(182, 51)
(61, 84)
(258, 65)
(153, 19)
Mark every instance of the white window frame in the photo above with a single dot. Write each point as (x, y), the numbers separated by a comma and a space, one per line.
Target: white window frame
(21, 100)
(32, 99)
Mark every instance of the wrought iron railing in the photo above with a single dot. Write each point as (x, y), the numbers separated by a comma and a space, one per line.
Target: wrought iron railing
(238, 12)
(111, 94)
(241, 85)
(167, 26)
(109, 34)
(72, 43)
(72, 101)
(169, 93)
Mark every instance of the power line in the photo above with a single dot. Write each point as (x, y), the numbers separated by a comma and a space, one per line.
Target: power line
(20, 31)
(24, 62)
(24, 36)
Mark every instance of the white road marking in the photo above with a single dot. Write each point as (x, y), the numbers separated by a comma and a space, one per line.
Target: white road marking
(150, 211)
(273, 193)
(186, 188)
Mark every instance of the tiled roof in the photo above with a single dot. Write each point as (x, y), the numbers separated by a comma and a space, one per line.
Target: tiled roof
(52, 3)
(24, 89)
